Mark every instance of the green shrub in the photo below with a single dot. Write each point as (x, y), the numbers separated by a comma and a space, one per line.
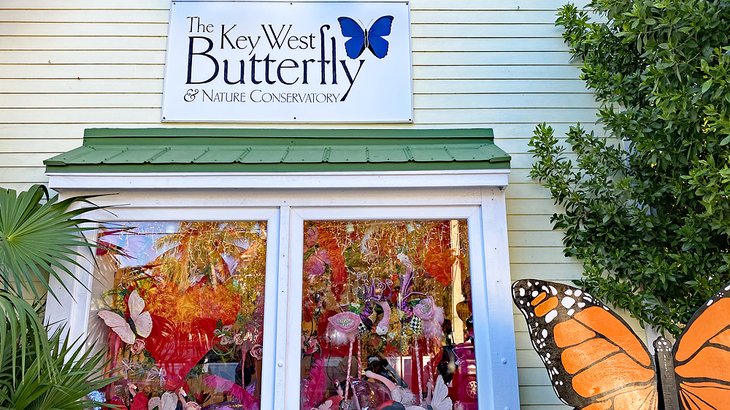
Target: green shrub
(647, 207)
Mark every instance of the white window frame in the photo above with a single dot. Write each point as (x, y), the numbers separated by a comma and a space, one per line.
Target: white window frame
(479, 199)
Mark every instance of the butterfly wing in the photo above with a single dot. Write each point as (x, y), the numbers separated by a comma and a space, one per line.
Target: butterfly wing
(168, 401)
(594, 359)
(142, 320)
(376, 43)
(441, 399)
(702, 356)
(154, 402)
(356, 44)
(327, 405)
(118, 325)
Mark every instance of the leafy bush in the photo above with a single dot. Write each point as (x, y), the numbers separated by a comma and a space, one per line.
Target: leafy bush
(647, 208)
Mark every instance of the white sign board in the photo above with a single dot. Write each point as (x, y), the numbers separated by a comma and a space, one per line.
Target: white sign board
(288, 62)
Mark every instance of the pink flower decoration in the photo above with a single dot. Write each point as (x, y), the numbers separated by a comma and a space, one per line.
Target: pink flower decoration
(257, 352)
(315, 264)
(310, 237)
(138, 346)
(310, 344)
(425, 309)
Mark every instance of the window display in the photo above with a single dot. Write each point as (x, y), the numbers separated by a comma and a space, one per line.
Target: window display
(386, 316)
(180, 305)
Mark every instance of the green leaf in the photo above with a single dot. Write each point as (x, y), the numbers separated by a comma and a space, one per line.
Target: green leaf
(706, 85)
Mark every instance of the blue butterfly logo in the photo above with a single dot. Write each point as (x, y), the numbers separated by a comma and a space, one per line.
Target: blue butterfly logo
(361, 38)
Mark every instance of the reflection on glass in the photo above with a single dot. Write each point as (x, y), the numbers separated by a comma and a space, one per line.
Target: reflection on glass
(386, 316)
(181, 306)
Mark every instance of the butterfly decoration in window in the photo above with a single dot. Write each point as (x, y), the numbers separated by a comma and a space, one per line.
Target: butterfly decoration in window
(361, 38)
(595, 361)
(141, 319)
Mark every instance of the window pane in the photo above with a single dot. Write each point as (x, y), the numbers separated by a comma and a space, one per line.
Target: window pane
(180, 305)
(386, 315)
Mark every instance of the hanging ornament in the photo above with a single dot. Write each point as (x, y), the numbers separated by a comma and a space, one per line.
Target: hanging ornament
(416, 325)
(362, 328)
(425, 309)
(432, 316)
(343, 328)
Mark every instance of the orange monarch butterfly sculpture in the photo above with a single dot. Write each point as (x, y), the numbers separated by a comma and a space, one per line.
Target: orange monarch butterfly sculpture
(596, 362)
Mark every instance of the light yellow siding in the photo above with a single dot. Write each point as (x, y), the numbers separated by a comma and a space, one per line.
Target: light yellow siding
(75, 64)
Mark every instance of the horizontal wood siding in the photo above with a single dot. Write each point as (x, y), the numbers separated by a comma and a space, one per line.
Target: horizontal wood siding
(69, 65)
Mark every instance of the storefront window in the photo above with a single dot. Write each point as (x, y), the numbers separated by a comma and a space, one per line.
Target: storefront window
(386, 315)
(181, 308)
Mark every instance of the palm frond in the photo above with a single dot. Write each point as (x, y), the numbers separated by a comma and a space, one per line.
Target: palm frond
(40, 240)
(62, 382)
(22, 338)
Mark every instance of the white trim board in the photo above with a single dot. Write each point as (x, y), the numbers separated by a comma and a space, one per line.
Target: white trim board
(281, 180)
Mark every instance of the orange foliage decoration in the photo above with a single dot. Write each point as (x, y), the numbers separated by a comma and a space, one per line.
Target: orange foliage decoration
(438, 264)
(327, 239)
(183, 306)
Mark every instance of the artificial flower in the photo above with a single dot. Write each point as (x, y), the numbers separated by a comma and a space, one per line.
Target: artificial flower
(257, 352)
(310, 237)
(138, 346)
(315, 264)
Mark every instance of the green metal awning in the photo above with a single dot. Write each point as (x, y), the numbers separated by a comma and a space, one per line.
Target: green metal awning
(280, 150)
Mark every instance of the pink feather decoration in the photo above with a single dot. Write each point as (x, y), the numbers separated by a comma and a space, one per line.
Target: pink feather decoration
(222, 385)
(314, 387)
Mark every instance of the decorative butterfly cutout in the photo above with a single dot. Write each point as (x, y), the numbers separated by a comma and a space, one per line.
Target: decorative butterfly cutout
(595, 361)
(440, 399)
(119, 325)
(361, 38)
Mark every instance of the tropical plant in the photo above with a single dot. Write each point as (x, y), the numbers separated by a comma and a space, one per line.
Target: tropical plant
(647, 209)
(59, 377)
(38, 241)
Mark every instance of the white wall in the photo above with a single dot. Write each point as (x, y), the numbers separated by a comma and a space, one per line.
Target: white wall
(75, 64)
